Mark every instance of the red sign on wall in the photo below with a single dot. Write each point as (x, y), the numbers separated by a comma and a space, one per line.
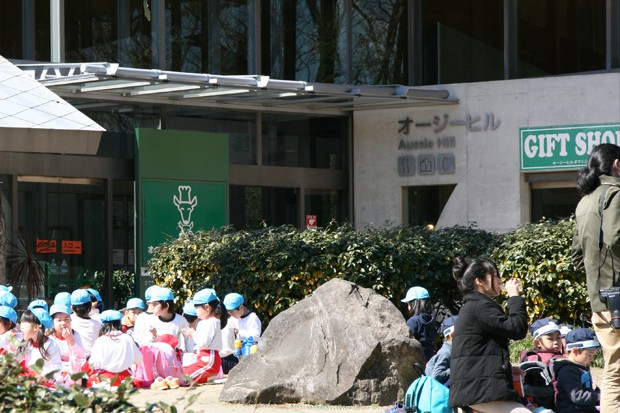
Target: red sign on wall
(72, 247)
(46, 246)
(311, 221)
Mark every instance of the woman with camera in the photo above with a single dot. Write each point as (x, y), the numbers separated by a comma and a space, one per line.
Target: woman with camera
(596, 249)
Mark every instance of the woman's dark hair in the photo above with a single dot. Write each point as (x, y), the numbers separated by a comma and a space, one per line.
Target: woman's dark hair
(82, 310)
(600, 162)
(39, 340)
(8, 324)
(109, 327)
(423, 305)
(466, 270)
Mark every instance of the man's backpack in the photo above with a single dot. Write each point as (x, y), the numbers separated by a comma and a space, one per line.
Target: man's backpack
(536, 384)
(427, 395)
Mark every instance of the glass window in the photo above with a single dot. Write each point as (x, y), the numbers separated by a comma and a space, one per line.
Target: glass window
(463, 40)
(251, 207)
(108, 32)
(326, 205)
(424, 204)
(306, 40)
(123, 226)
(72, 215)
(553, 203)
(25, 30)
(379, 42)
(304, 142)
(240, 127)
(557, 37)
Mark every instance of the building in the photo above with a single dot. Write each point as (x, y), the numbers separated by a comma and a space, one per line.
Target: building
(302, 143)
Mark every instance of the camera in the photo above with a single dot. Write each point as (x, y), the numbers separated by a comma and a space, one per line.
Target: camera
(611, 297)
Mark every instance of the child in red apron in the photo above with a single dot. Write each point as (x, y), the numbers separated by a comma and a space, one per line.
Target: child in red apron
(207, 336)
(113, 351)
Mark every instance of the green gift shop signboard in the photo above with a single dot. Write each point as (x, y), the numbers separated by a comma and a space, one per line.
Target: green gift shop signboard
(563, 147)
(181, 186)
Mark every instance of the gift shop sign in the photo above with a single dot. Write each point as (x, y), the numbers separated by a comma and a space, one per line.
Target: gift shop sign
(563, 147)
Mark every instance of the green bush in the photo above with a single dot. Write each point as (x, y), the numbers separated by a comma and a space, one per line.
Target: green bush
(275, 267)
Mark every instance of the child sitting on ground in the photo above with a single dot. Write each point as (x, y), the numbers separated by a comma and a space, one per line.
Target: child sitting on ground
(8, 320)
(547, 342)
(576, 392)
(37, 345)
(164, 320)
(207, 336)
(87, 328)
(134, 307)
(438, 366)
(70, 343)
(113, 352)
(421, 322)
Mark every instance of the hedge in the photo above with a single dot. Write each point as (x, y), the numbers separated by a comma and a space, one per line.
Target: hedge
(275, 267)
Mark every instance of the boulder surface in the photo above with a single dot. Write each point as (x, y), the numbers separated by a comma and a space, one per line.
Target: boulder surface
(344, 345)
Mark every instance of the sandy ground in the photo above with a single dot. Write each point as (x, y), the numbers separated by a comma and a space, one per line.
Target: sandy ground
(207, 401)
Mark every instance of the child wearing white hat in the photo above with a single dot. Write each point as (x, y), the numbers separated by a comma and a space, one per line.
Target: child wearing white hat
(421, 321)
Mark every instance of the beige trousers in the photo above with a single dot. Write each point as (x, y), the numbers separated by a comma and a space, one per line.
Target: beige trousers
(609, 338)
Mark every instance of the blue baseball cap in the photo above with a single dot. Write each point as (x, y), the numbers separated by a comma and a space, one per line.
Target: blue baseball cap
(80, 297)
(43, 316)
(544, 326)
(581, 338)
(149, 291)
(190, 309)
(95, 294)
(63, 298)
(8, 299)
(8, 313)
(447, 326)
(416, 293)
(110, 315)
(6, 288)
(39, 303)
(135, 303)
(233, 300)
(162, 294)
(204, 296)
(59, 308)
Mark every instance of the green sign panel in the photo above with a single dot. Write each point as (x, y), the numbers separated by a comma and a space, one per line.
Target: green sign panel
(552, 148)
(181, 186)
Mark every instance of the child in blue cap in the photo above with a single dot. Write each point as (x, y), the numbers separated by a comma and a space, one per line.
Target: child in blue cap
(8, 320)
(207, 336)
(438, 366)
(547, 341)
(88, 328)
(38, 346)
(576, 390)
(421, 321)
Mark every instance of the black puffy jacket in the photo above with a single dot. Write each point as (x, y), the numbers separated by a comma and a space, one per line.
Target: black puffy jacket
(480, 369)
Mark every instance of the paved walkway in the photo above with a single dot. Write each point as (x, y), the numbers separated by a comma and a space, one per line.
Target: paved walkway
(207, 401)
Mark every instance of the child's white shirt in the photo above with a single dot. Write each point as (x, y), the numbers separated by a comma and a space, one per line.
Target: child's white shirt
(141, 333)
(248, 326)
(174, 327)
(114, 352)
(228, 339)
(208, 335)
(53, 363)
(66, 351)
(88, 329)
(5, 341)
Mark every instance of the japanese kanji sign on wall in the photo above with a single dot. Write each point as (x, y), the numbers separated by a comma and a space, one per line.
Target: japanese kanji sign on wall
(563, 147)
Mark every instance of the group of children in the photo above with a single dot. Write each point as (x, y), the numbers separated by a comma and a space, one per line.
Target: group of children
(567, 353)
(149, 343)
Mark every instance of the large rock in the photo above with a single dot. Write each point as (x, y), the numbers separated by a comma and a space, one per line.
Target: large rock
(343, 345)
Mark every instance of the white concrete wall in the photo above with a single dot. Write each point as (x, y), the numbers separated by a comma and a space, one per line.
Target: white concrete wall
(491, 191)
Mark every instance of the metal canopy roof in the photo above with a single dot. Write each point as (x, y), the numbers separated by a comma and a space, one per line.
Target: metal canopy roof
(107, 82)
